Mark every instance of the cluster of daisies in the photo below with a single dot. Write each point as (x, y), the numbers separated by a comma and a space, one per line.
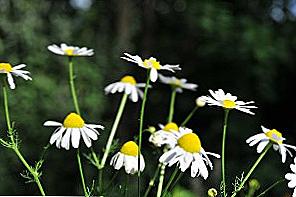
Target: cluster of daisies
(183, 146)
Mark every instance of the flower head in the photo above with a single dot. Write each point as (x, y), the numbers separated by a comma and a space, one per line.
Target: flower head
(70, 50)
(150, 63)
(188, 151)
(178, 84)
(270, 136)
(165, 135)
(291, 177)
(6, 68)
(128, 157)
(128, 85)
(227, 101)
(72, 129)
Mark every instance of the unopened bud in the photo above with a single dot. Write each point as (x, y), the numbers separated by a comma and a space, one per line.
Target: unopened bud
(254, 184)
(151, 129)
(212, 192)
(200, 102)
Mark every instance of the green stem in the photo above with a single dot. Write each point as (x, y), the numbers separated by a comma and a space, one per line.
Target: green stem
(252, 169)
(113, 130)
(161, 179)
(72, 86)
(170, 119)
(34, 173)
(177, 179)
(151, 183)
(170, 182)
(172, 104)
(270, 187)
(223, 151)
(141, 129)
(75, 102)
(100, 184)
(189, 116)
(81, 173)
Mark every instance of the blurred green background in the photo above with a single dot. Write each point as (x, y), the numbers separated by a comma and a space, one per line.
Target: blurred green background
(244, 47)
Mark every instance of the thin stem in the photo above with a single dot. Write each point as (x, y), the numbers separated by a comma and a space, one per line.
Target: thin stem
(161, 179)
(177, 179)
(189, 116)
(100, 184)
(72, 86)
(170, 119)
(141, 128)
(151, 183)
(223, 151)
(76, 106)
(172, 105)
(270, 187)
(170, 182)
(252, 169)
(81, 173)
(34, 173)
(6, 107)
(113, 130)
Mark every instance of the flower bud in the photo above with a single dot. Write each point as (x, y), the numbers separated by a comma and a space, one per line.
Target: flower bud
(254, 184)
(200, 102)
(212, 192)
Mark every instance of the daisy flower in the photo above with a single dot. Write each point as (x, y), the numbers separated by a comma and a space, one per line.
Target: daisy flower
(164, 135)
(128, 157)
(150, 63)
(7, 69)
(128, 85)
(188, 151)
(178, 84)
(227, 101)
(73, 127)
(273, 136)
(292, 177)
(70, 50)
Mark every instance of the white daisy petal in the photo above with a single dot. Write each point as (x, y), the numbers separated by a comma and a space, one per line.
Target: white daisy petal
(10, 81)
(66, 139)
(153, 74)
(57, 134)
(75, 138)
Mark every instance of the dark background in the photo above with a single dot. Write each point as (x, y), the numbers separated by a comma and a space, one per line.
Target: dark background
(244, 47)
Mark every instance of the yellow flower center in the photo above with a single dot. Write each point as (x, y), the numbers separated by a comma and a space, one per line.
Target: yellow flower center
(128, 79)
(190, 143)
(6, 67)
(229, 104)
(275, 136)
(171, 126)
(129, 148)
(69, 51)
(151, 63)
(73, 120)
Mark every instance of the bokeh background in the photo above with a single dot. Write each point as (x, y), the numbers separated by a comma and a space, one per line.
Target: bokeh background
(245, 47)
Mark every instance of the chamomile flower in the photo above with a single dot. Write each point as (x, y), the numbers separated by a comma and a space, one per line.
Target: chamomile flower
(128, 157)
(128, 85)
(165, 135)
(291, 177)
(71, 130)
(178, 84)
(227, 101)
(270, 136)
(6, 68)
(152, 64)
(188, 151)
(71, 51)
